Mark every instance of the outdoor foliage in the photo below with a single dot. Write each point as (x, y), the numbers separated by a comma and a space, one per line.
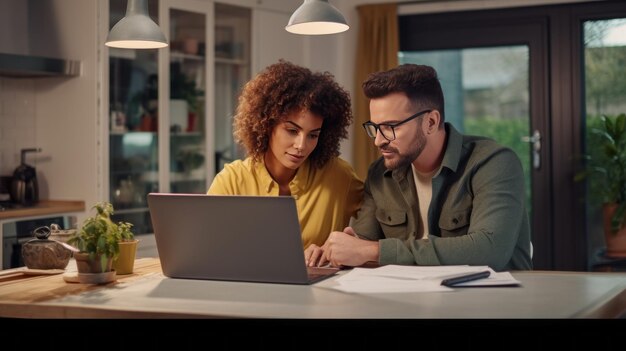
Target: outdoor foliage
(606, 164)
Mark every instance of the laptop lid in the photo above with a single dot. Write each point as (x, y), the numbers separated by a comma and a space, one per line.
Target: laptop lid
(239, 238)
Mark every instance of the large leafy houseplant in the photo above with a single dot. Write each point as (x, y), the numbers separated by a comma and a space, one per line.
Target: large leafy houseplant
(606, 166)
(99, 236)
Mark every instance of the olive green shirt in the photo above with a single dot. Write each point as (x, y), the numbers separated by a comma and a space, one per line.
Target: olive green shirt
(476, 216)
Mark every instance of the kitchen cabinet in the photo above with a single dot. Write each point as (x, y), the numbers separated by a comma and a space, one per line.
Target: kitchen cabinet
(170, 127)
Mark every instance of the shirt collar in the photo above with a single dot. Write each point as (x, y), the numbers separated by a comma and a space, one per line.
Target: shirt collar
(297, 185)
(451, 156)
(454, 147)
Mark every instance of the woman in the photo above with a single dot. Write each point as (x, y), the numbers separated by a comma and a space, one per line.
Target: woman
(290, 121)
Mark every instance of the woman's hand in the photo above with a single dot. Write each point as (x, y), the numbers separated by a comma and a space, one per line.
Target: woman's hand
(313, 256)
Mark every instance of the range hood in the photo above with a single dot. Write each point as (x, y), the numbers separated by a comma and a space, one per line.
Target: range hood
(29, 66)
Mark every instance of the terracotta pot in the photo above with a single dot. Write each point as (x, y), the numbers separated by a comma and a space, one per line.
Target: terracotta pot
(190, 46)
(86, 265)
(615, 242)
(125, 262)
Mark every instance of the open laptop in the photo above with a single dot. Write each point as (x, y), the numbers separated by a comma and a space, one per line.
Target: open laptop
(239, 238)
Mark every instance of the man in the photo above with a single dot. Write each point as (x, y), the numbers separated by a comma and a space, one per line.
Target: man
(435, 197)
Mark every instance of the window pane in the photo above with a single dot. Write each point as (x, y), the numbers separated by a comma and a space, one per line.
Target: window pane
(605, 94)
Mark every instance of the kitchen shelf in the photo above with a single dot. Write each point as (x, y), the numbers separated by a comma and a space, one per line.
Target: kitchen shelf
(44, 207)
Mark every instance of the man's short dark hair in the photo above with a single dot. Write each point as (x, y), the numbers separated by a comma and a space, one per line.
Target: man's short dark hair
(418, 82)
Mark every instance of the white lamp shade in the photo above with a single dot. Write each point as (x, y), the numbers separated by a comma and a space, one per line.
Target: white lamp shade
(317, 17)
(136, 30)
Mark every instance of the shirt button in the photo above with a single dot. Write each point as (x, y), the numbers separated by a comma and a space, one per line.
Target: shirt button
(455, 221)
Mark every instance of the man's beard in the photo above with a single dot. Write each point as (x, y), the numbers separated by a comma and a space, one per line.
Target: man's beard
(406, 159)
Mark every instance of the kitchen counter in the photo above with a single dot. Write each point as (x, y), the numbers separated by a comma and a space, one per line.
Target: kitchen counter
(44, 207)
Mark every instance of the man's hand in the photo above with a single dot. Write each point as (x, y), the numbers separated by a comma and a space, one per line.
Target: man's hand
(346, 249)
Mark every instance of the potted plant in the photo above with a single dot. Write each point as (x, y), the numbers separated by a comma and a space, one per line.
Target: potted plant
(606, 171)
(99, 243)
(185, 103)
(189, 159)
(124, 263)
(184, 87)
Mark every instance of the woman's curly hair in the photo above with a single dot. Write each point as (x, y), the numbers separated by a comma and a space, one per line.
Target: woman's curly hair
(285, 88)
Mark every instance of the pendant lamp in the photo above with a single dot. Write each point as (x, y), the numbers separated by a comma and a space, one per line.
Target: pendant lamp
(316, 17)
(136, 30)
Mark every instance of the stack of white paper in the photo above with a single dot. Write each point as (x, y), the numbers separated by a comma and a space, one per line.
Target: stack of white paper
(394, 278)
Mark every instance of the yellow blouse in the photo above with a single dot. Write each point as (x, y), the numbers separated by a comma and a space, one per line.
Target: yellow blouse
(326, 198)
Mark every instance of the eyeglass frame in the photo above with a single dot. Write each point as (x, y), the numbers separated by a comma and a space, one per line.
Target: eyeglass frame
(390, 125)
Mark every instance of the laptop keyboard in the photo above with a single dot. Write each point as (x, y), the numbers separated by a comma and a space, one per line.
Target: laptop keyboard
(316, 274)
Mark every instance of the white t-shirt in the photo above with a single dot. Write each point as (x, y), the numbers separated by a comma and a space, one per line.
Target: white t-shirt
(424, 187)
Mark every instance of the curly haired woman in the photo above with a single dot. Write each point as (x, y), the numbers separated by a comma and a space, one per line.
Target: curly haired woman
(290, 121)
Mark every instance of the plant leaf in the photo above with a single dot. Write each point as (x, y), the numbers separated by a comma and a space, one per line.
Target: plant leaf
(581, 175)
(608, 125)
(617, 220)
(620, 125)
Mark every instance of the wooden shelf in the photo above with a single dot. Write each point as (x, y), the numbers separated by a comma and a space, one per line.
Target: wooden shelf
(44, 207)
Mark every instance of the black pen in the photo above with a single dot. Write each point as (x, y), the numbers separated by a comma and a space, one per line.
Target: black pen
(464, 277)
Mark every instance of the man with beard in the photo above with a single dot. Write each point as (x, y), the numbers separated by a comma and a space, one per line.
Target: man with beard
(435, 197)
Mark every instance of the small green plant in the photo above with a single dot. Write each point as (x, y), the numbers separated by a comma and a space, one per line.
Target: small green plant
(99, 235)
(184, 87)
(606, 165)
(189, 160)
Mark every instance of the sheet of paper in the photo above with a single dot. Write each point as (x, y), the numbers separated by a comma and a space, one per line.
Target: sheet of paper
(426, 272)
(389, 285)
(395, 278)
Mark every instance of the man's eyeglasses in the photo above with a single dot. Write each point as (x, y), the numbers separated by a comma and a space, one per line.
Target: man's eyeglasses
(387, 129)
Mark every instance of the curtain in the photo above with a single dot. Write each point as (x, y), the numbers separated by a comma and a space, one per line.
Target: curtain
(377, 50)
